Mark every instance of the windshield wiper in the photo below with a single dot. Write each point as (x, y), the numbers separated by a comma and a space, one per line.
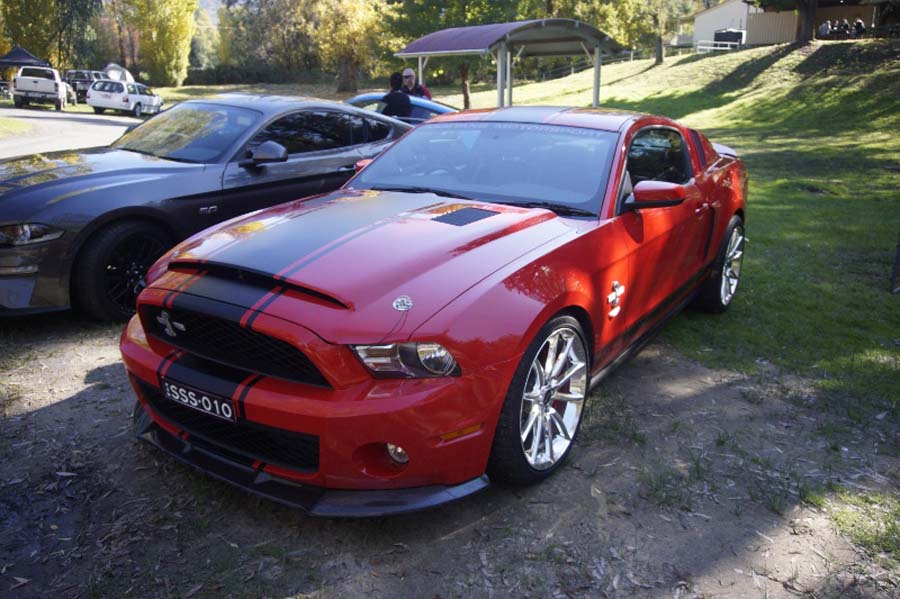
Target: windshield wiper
(416, 189)
(146, 153)
(560, 209)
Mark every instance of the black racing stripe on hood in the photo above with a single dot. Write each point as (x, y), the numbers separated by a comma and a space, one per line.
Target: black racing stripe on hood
(218, 309)
(279, 247)
(228, 290)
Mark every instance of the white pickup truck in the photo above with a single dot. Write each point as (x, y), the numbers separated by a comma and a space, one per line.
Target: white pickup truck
(39, 85)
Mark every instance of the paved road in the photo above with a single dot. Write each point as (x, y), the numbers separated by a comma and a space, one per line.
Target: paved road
(53, 130)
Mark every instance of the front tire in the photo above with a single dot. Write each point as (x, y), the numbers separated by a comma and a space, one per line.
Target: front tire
(59, 105)
(113, 261)
(544, 405)
(718, 291)
(138, 113)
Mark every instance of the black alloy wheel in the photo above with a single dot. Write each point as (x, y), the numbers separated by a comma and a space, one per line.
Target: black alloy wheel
(113, 263)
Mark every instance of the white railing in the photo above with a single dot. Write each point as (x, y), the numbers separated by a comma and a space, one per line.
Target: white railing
(712, 46)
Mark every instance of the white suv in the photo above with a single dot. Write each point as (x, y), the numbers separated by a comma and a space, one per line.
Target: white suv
(135, 98)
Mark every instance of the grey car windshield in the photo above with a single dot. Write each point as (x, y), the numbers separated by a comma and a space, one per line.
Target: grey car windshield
(190, 132)
(512, 163)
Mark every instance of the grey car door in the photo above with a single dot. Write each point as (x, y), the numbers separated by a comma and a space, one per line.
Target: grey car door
(323, 147)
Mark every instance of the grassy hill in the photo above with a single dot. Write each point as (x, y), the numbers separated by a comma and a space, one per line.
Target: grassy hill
(819, 129)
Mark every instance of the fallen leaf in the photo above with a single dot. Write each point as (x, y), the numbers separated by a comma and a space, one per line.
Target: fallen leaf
(19, 582)
(193, 591)
(66, 474)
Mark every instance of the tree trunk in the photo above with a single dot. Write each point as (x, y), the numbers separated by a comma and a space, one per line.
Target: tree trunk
(464, 77)
(117, 17)
(658, 40)
(347, 71)
(806, 10)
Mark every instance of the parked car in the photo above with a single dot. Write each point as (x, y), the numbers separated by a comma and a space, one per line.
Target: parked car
(82, 80)
(83, 226)
(134, 98)
(39, 85)
(440, 319)
(422, 108)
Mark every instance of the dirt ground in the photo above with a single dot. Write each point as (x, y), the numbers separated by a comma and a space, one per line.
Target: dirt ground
(685, 482)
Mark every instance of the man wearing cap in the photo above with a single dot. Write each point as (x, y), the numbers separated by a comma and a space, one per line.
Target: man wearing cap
(411, 87)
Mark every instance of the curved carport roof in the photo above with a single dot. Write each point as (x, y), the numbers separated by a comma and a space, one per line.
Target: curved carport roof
(507, 41)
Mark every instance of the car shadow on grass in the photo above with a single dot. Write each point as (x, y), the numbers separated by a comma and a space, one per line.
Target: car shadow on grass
(684, 479)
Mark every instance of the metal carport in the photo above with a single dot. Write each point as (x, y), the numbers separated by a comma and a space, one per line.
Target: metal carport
(508, 41)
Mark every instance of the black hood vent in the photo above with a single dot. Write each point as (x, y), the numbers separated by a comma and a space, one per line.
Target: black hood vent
(465, 216)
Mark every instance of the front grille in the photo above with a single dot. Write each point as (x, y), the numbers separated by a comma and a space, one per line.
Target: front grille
(227, 342)
(247, 440)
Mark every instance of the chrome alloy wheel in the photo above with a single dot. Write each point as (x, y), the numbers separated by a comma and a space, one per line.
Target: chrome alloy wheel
(731, 268)
(554, 398)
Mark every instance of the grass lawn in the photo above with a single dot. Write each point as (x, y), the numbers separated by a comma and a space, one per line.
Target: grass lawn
(10, 126)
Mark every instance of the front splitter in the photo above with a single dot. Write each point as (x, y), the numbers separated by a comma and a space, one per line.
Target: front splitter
(316, 501)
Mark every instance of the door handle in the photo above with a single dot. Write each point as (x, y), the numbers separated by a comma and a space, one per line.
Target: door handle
(703, 208)
(347, 168)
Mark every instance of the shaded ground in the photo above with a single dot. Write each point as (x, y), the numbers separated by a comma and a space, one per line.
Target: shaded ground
(686, 482)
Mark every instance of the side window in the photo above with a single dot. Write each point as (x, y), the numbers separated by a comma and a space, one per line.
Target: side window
(117, 88)
(312, 131)
(658, 155)
(377, 130)
(132, 89)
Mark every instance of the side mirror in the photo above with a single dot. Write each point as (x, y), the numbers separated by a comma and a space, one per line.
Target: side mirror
(266, 152)
(655, 194)
(361, 164)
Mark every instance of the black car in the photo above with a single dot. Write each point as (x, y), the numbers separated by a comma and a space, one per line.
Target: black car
(83, 226)
(82, 80)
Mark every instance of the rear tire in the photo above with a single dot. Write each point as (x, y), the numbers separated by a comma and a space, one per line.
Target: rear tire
(112, 262)
(718, 291)
(17, 102)
(59, 105)
(98, 110)
(544, 405)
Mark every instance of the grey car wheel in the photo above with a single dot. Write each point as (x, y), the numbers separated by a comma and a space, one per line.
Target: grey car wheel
(544, 405)
(718, 291)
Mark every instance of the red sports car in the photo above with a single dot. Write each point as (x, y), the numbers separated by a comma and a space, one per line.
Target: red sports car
(440, 319)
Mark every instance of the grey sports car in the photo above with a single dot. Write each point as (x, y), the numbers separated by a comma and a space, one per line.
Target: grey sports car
(83, 226)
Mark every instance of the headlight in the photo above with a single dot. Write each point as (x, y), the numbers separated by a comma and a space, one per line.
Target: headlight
(408, 360)
(27, 233)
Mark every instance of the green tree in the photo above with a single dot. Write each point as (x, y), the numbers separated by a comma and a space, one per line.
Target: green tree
(351, 35)
(204, 44)
(49, 29)
(806, 10)
(165, 29)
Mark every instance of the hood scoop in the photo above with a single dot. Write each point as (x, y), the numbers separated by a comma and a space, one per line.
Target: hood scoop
(465, 216)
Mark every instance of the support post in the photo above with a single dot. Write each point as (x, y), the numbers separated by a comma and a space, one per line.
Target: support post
(598, 62)
(509, 78)
(421, 68)
(501, 71)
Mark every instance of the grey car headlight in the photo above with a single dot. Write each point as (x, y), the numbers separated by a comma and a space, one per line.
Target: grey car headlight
(407, 360)
(27, 233)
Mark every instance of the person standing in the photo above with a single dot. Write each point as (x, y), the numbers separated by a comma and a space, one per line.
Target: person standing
(396, 103)
(411, 87)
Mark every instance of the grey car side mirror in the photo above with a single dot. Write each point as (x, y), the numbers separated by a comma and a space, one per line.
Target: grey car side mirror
(266, 152)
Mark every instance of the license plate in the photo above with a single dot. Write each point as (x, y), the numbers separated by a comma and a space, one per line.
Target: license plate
(107, 96)
(201, 401)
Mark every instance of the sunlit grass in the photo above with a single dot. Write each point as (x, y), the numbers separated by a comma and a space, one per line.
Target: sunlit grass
(871, 521)
(10, 127)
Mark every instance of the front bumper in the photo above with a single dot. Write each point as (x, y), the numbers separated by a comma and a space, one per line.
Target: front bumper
(34, 278)
(316, 501)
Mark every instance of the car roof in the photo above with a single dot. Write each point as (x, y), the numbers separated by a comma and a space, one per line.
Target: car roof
(604, 119)
(268, 105)
(435, 106)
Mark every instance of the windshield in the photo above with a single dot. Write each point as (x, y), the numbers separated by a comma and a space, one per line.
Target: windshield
(564, 168)
(190, 132)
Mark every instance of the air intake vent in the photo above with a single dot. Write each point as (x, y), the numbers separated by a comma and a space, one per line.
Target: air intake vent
(465, 216)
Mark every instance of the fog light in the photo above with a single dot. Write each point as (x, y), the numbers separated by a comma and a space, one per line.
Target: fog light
(397, 453)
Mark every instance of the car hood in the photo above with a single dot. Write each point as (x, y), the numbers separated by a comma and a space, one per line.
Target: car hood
(30, 183)
(344, 259)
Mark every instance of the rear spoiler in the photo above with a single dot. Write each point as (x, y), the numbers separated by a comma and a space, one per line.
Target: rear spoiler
(724, 151)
